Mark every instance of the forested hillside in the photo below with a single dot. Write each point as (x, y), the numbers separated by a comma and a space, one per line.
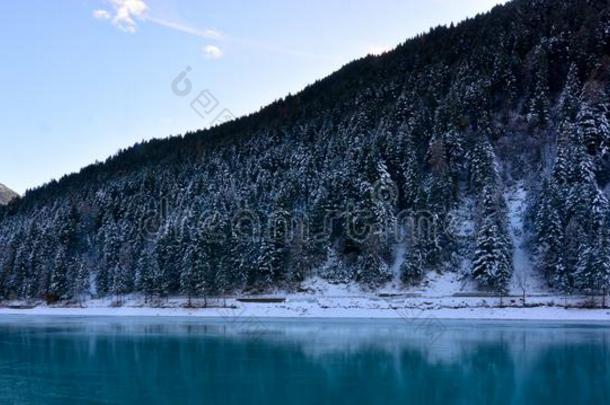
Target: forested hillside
(374, 161)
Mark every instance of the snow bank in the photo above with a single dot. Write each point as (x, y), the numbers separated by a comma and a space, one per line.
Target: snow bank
(305, 306)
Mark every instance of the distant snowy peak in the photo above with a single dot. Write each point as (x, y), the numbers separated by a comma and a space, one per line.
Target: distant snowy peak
(6, 194)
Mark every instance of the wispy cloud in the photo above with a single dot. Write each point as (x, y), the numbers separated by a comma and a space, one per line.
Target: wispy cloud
(272, 48)
(212, 52)
(208, 33)
(101, 15)
(126, 14)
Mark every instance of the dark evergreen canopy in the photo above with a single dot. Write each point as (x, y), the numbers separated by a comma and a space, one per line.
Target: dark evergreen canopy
(318, 182)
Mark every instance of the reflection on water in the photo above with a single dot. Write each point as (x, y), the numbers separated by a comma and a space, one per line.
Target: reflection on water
(44, 360)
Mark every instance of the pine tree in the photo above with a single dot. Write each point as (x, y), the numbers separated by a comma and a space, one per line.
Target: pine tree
(593, 127)
(241, 261)
(267, 263)
(21, 282)
(58, 289)
(111, 245)
(411, 183)
(81, 282)
(591, 272)
(551, 236)
(188, 279)
(454, 145)
(334, 270)
(147, 273)
(371, 270)
(119, 282)
(440, 193)
(221, 283)
(562, 169)
(492, 264)
(585, 274)
(490, 268)
(601, 262)
(570, 99)
(539, 109)
(168, 255)
(483, 170)
(412, 269)
(383, 206)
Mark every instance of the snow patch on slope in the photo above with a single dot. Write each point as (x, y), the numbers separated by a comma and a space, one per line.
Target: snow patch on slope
(441, 285)
(524, 277)
(399, 259)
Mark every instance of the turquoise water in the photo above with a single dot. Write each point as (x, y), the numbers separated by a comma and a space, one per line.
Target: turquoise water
(251, 361)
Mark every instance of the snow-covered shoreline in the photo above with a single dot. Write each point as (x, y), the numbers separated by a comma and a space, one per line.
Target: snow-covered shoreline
(346, 308)
(440, 297)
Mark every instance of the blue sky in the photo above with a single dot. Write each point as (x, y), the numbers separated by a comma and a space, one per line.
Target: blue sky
(81, 79)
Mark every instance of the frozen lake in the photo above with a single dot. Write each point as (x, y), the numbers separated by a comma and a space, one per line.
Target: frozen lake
(255, 361)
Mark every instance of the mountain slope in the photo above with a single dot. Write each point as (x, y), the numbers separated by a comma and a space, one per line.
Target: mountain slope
(6, 194)
(376, 159)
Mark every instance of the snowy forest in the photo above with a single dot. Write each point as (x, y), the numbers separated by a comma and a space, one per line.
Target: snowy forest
(370, 163)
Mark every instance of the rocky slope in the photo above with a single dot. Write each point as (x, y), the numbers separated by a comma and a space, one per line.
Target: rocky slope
(6, 194)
